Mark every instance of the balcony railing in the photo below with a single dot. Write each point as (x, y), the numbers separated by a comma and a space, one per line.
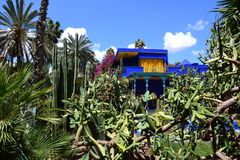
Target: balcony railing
(128, 70)
(158, 70)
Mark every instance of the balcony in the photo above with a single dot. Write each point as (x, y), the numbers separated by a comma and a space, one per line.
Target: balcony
(128, 70)
(155, 70)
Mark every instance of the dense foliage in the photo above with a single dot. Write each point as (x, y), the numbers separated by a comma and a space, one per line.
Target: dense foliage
(194, 118)
(25, 118)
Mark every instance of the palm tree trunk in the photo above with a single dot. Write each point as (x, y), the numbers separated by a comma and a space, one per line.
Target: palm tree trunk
(38, 56)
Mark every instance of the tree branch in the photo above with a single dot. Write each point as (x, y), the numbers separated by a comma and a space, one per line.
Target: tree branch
(170, 125)
(237, 63)
(107, 143)
(142, 137)
(226, 104)
(160, 130)
(231, 91)
(212, 99)
(222, 156)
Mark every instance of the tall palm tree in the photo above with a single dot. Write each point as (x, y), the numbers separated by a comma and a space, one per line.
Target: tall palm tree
(39, 54)
(19, 21)
(84, 52)
(139, 43)
(52, 34)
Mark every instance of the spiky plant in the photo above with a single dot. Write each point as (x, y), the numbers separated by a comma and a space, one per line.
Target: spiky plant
(23, 111)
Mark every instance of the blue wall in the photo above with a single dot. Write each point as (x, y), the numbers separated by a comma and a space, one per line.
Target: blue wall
(127, 71)
(178, 68)
(130, 61)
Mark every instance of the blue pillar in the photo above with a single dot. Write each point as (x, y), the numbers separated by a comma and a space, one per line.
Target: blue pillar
(146, 84)
(134, 84)
(164, 84)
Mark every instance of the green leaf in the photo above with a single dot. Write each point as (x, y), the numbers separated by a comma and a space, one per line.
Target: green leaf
(201, 84)
(203, 148)
(162, 114)
(146, 96)
(200, 116)
(85, 156)
(208, 113)
(143, 125)
(187, 105)
(72, 125)
(119, 144)
(212, 60)
(193, 116)
(76, 115)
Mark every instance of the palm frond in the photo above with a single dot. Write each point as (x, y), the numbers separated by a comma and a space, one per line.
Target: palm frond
(19, 20)
(40, 145)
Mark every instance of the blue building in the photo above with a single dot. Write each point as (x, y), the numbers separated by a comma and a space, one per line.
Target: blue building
(185, 65)
(148, 69)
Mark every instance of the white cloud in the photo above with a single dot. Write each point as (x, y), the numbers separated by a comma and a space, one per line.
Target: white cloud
(197, 52)
(199, 25)
(96, 46)
(99, 54)
(132, 45)
(72, 31)
(178, 41)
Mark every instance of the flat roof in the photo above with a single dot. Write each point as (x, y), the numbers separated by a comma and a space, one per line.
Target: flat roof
(136, 51)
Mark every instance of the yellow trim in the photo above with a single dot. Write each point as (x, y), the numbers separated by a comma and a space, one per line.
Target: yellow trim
(126, 55)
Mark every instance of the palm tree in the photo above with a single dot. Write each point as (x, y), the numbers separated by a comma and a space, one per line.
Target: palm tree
(19, 21)
(39, 54)
(84, 52)
(139, 43)
(52, 34)
(110, 51)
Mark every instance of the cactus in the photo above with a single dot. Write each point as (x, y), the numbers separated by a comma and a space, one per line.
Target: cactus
(75, 65)
(65, 70)
(65, 74)
(65, 79)
(54, 76)
(87, 74)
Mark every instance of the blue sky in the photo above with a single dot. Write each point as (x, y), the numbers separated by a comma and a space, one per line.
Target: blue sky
(181, 26)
